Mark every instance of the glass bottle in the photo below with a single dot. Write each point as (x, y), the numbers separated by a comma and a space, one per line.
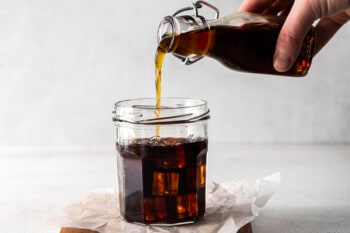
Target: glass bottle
(241, 41)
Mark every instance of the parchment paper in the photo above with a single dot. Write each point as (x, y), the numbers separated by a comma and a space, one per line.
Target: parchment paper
(229, 206)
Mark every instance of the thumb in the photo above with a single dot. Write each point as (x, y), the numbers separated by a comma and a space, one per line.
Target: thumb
(291, 36)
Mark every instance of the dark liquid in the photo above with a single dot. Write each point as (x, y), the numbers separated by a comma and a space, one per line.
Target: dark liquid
(249, 48)
(164, 180)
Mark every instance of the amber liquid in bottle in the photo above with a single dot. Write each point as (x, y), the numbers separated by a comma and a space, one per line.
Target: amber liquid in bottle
(248, 48)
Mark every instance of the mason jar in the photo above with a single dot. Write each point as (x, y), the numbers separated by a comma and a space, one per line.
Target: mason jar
(161, 159)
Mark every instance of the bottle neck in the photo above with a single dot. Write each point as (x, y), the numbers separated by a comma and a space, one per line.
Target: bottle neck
(187, 37)
(167, 31)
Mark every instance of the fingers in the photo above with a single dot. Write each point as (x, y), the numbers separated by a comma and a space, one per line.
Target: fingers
(295, 28)
(279, 7)
(273, 7)
(257, 6)
(293, 31)
(328, 26)
(291, 37)
(301, 15)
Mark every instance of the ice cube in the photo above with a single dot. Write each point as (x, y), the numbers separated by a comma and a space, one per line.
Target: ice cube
(165, 183)
(187, 205)
(155, 208)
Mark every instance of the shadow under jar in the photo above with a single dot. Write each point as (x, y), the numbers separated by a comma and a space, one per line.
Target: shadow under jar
(161, 158)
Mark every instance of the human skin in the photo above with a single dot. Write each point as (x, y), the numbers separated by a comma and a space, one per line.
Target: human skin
(330, 15)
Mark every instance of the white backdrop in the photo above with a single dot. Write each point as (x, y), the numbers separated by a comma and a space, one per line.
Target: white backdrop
(63, 64)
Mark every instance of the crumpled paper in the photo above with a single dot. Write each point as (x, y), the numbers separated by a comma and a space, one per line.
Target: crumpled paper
(229, 206)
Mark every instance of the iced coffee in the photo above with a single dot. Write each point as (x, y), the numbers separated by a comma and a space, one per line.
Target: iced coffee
(162, 178)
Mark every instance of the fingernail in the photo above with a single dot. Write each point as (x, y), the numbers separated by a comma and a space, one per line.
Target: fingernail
(281, 62)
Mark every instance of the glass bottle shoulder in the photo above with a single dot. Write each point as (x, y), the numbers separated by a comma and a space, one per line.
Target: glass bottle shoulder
(240, 19)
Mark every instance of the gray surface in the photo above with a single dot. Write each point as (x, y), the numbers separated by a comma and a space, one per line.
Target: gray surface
(314, 195)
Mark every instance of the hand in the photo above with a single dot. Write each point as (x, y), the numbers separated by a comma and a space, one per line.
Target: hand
(301, 14)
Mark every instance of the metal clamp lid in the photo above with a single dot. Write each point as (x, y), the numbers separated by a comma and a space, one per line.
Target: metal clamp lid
(197, 5)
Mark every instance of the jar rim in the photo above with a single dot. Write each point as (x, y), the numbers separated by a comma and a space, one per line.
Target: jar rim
(173, 110)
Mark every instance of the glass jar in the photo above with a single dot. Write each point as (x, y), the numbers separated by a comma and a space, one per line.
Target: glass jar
(161, 158)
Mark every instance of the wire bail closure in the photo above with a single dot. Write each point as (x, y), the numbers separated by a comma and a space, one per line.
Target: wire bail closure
(195, 6)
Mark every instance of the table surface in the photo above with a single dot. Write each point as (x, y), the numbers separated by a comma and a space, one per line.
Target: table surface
(314, 195)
